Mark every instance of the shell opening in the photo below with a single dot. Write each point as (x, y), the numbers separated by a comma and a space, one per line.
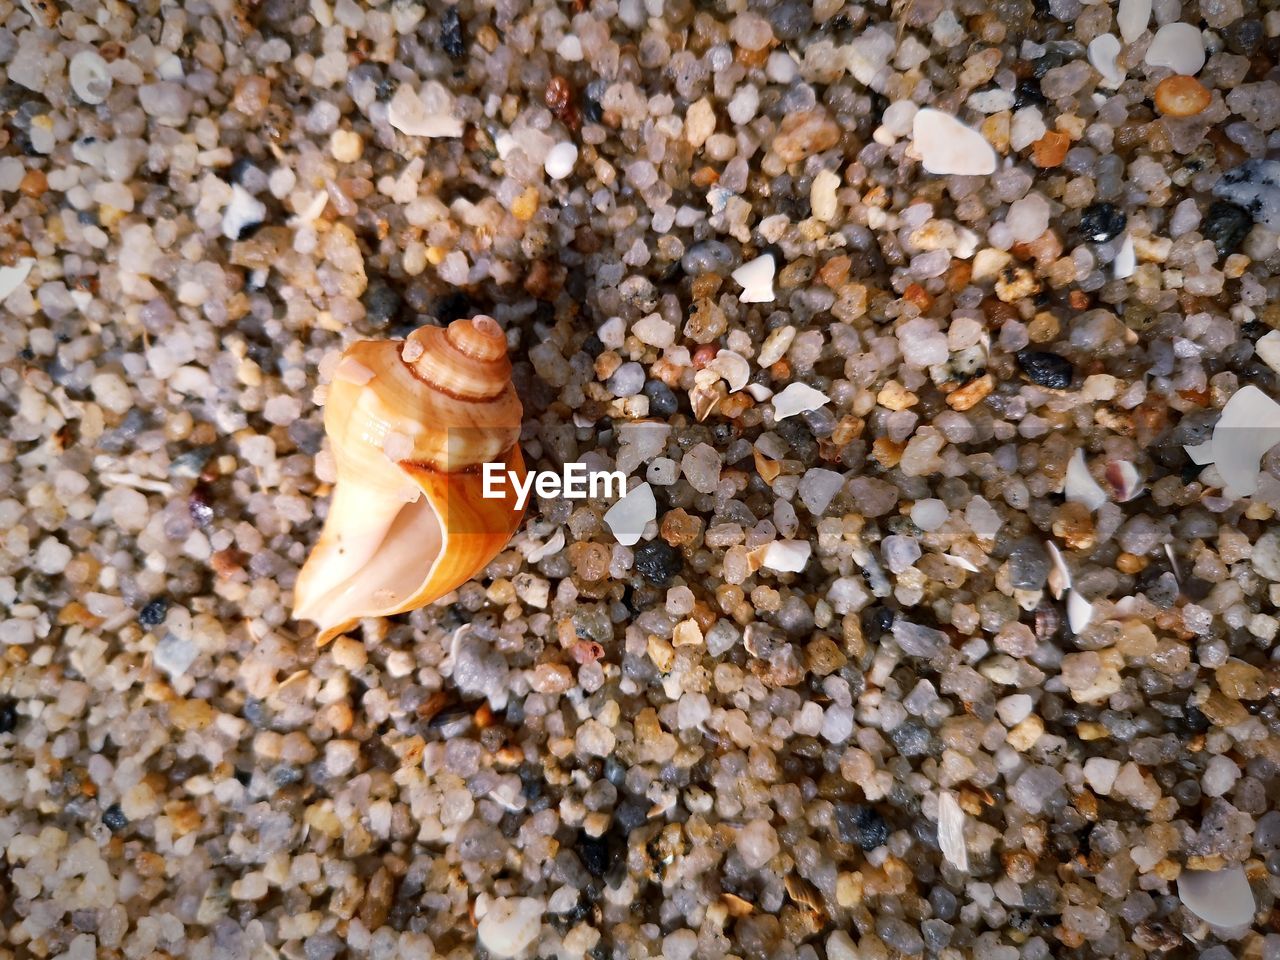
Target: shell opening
(370, 570)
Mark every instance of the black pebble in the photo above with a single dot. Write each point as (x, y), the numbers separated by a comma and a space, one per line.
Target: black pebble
(153, 613)
(1102, 222)
(1027, 94)
(451, 39)
(662, 401)
(455, 306)
(381, 304)
(8, 715)
(1046, 369)
(1226, 225)
(594, 853)
(113, 818)
(657, 562)
(861, 825)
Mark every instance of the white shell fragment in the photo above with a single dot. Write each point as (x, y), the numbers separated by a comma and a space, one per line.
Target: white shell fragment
(89, 76)
(1222, 898)
(797, 398)
(733, 369)
(1103, 51)
(1126, 260)
(629, 516)
(510, 925)
(787, 556)
(1248, 428)
(554, 544)
(11, 278)
(947, 147)
(1268, 350)
(1178, 46)
(560, 160)
(756, 279)
(427, 115)
(1080, 485)
(951, 831)
(1132, 19)
(960, 562)
(243, 212)
(1079, 612)
(1059, 573)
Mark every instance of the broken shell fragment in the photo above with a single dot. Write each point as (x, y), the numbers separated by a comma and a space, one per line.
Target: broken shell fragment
(412, 425)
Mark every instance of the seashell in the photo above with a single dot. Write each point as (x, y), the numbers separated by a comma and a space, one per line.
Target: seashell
(411, 423)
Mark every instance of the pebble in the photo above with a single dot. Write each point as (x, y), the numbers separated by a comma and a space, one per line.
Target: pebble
(346, 146)
(1101, 222)
(947, 147)
(787, 556)
(244, 213)
(756, 279)
(429, 114)
(1132, 19)
(560, 160)
(1178, 46)
(822, 196)
(657, 562)
(1181, 96)
(1046, 369)
(510, 925)
(1227, 225)
(757, 843)
(1268, 349)
(628, 517)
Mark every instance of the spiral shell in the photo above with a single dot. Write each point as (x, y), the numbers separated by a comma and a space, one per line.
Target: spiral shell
(411, 423)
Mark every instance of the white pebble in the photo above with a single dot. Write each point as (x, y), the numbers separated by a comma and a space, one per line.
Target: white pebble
(1268, 349)
(89, 76)
(787, 556)
(947, 147)
(1178, 46)
(1132, 19)
(510, 925)
(822, 196)
(429, 114)
(1100, 773)
(1028, 218)
(629, 516)
(757, 843)
(929, 514)
(756, 279)
(560, 160)
(243, 212)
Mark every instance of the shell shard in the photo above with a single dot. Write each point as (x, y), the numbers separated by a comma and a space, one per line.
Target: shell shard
(409, 521)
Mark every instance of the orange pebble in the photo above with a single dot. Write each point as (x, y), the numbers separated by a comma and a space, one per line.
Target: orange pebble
(1181, 96)
(1050, 150)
